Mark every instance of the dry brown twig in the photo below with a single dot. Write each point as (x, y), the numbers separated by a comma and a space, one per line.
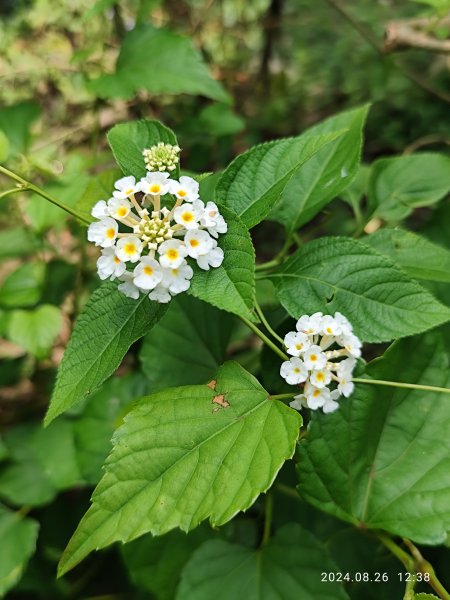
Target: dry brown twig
(415, 33)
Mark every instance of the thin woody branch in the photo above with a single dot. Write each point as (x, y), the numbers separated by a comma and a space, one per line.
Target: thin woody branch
(414, 33)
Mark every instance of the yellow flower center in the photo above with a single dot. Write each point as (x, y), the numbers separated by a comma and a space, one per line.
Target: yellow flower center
(155, 188)
(182, 193)
(316, 393)
(320, 376)
(299, 346)
(121, 211)
(188, 217)
(329, 330)
(296, 370)
(313, 357)
(194, 243)
(148, 270)
(110, 233)
(172, 254)
(129, 192)
(117, 260)
(129, 248)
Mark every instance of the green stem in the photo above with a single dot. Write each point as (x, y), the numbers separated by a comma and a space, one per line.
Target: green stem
(26, 185)
(409, 588)
(421, 565)
(287, 491)
(264, 338)
(410, 386)
(266, 324)
(11, 191)
(267, 265)
(268, 511)
(281, 396)
(279, 257)
(395, 549)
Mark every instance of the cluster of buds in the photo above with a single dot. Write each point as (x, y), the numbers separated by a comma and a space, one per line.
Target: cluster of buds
(162, 157)
(159, 240)
(324, 350)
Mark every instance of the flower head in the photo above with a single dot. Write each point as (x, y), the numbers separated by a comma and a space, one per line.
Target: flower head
(161, 157)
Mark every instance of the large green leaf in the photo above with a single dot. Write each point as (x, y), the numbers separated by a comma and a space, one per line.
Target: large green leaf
(181, 457)
(99, 187)
(128, 140)
(35, 330)
(419, 257)
(16, 241)
(231, 286)
(289, 566)
(382, 460)
(187, 345)
(327, 173)
(162, 62)
(17, 543)
(104, 331)
(400, 184)
(94, 427)
(155, 564)
(16, 121)
(341, 274)
(255, 180)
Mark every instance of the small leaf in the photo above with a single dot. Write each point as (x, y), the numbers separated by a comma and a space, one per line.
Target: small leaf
(187, 345)
(98, 188)
(251, 185)
(162, 62)
(128, 140)
(35, 330)
(340, 274)
(16, 121)
(327, 173)
(18, 542)
(231, 286)
(382, 461)
(400, 184)
(416, 255)
(23, 287)
(104, 331)
(177, 462)
(289, 566)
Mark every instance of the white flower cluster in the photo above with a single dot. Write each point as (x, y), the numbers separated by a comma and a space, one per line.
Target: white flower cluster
(162, 157)
(161, 240)
(324, 350)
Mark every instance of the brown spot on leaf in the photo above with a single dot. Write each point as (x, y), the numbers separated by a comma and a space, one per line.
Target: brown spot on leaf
(221, 402)
(212, 384)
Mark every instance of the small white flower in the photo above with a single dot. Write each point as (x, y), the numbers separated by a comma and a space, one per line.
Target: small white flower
(147, 274)
(316, 397)
(178, 280)
(314, 358)
(172, 253)
(299, 402)
(155, 183)
(320, 378)
(103, 233)
(213, 220)
(345, 325)
(198, 242)
(351, 343)
(129, 248)
(330, 404)
(296, 343)
(330, 326)
(311, 325)
(100, 210)
(294, 371)
(127, 286)
(345, 368)
(214, 258)
(185, 189)
(119, 208)
(187, 215)
(125, 187)
(160, 294)
(109, 265)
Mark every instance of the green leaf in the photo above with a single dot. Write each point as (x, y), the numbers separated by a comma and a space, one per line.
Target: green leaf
(231, 286)
(187, 345)
(18, 542)
(128, 140)
(416, 255)
(327, 173)
(289, 566)
(43, 461)
(161, 62)
(155, 564)
(382, 461)
(340, 274)
(16, 121)
(23, 287)
(425, 597)
(255, 180)
(398, 185)
(103, 333)
(35, 330)
(180, 458)
(98, 188)
(17, 241)
(93, 429)
(4, 147)
(218, 119)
